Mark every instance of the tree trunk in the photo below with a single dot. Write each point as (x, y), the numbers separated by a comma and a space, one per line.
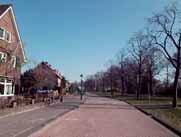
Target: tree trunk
(103, 85)
(167, 80)
(151, 83)
(122, 79)
(122, 85)
(139, 87)
(177, 73)
(175, 85)
(112, 92)
(139, 80)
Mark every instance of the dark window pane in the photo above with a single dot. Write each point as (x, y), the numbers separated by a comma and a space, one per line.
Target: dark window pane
(1, 89)
(7, 36)
(1, 32)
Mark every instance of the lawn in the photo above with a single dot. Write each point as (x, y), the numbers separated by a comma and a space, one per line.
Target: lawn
(159, 107)
(152, 101)
(171, 116)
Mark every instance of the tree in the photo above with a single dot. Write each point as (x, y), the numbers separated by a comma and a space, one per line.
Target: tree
(153, 66)
(90, 83)
(28, 81)
(138, 51)
(121, 58)
(153, 62)
(167, 35)
(112, 75)
(130, 75)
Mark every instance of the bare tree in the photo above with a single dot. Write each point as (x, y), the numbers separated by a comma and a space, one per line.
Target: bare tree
(153, 62)
(121, 56)
(153, 66)
(167, 36)
(138, 49)
(109, 74)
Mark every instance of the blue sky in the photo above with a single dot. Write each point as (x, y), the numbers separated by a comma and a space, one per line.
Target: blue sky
(79, 36)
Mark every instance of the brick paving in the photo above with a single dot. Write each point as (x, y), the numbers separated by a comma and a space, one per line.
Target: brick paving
(103, 117)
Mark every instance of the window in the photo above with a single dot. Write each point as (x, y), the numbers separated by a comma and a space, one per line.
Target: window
(13, 61)
(3, 57)
(2, 32)
(6, 87)
(9, 89)
(2, 79)
(18, 62)
(5, 35)
(8, 36)
(1, 89)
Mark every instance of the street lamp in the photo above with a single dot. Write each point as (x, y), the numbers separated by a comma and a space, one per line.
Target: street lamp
(81, 91)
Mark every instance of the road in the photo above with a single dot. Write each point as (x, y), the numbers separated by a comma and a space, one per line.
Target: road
(104, 117)
(22, 125)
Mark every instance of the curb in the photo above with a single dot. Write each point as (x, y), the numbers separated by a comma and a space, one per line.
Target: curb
(162, 122)
(26, 110)
(29, 132)
(37, 128)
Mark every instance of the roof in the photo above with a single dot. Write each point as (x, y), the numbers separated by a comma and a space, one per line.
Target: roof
(3, 8)
(54, 71)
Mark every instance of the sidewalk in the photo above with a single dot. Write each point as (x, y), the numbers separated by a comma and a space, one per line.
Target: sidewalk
(19, 109)
(24, 123)
(6, 112)
(103, 117)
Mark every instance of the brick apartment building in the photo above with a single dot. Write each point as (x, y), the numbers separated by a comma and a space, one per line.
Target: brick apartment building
(12, 54)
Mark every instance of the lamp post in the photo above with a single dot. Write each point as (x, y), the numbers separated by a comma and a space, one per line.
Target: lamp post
(81, 91)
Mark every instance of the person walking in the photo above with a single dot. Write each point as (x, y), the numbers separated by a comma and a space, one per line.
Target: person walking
(60, 92)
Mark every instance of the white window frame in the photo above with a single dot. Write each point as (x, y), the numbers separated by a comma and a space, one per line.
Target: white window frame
(4, 32)
(5, 83)
(13, 61)
(4, 56)
(7, 32)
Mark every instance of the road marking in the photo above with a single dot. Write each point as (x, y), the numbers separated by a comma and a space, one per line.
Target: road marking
(71, 119)
(16, 113)
(37, 120)
(23, 131)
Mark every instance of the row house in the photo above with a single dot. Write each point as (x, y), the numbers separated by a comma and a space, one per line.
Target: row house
(12, 54)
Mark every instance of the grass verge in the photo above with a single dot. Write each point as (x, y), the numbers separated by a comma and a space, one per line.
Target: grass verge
(159, 107)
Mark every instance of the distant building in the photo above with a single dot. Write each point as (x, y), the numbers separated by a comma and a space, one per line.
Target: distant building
(46, 77)
(12, 54)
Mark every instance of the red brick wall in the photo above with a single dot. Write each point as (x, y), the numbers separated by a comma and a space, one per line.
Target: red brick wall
(12, 48)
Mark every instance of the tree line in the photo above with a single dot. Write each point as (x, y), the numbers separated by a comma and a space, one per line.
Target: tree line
(151, 62)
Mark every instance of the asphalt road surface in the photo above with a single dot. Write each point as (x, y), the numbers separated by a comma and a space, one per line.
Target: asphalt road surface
(22, 125)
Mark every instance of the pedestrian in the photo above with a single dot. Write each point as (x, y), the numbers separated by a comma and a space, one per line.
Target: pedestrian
(60, 91)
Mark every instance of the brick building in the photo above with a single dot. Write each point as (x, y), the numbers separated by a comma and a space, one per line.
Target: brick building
(12, 54)
(42, 77)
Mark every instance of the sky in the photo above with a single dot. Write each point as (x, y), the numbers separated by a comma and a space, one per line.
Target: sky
(79, 36)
